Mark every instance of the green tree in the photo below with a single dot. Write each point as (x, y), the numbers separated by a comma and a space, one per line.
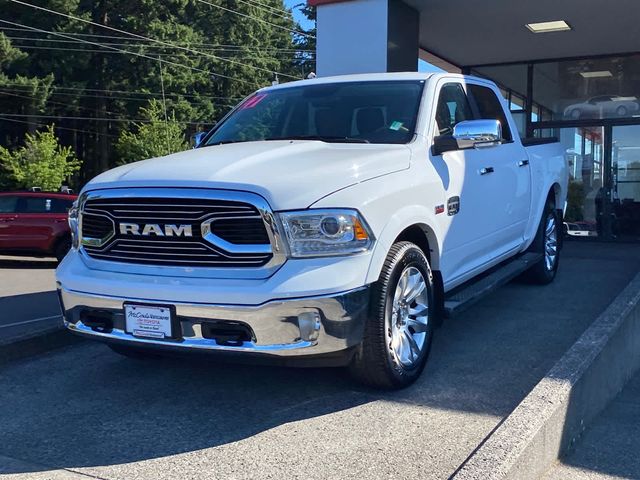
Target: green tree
(19, 93)
(215, 52)
(153, 138)
(41, 162)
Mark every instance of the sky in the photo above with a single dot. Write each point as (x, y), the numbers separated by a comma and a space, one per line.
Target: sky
(306, 24)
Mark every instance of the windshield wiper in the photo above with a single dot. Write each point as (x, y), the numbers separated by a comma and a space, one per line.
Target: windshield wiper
(322, 138)
(224, 142)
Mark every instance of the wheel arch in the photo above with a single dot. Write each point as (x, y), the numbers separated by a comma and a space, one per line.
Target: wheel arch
(413, 224)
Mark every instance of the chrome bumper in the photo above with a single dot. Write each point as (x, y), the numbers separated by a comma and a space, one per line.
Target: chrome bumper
(284, 328)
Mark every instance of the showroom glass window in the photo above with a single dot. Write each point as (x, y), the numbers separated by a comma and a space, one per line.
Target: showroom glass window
(593, 88)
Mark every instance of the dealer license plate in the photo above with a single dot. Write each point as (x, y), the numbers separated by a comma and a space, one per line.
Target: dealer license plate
(150, 321)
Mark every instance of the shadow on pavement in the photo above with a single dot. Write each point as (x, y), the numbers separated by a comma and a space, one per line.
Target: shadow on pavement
(87, 407)
(26, 263)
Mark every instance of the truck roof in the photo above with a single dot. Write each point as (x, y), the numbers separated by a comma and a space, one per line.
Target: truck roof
(368, 77)
(361, 77)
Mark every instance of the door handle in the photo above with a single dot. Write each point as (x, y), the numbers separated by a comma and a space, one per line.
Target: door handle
(523, 163)
(8, 219)
(486, 170)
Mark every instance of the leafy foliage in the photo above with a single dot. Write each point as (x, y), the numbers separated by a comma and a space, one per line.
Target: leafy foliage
(212, 53)
(41, 162)
(154, 138)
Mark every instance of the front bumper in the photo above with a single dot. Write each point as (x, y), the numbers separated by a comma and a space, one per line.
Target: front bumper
(294, 328)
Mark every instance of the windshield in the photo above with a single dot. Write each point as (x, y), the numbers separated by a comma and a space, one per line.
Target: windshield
(359, 112)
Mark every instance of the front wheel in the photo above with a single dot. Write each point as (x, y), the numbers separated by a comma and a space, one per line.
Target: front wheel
(399, 330)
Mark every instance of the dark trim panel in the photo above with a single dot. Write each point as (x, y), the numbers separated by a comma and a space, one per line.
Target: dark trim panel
(532, 142)
(559, 59)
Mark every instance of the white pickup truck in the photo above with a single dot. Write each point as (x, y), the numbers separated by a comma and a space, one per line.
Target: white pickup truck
(322, 221)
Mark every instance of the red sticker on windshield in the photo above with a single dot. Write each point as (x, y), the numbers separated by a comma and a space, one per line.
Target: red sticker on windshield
(252, 102)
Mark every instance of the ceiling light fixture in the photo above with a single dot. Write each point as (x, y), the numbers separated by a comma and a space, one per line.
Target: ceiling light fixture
(546, 27)
(597, 74)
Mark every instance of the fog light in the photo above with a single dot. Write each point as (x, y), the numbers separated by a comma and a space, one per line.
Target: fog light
(309, 324)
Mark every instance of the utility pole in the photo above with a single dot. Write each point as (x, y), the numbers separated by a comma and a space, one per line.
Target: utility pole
(164, 106)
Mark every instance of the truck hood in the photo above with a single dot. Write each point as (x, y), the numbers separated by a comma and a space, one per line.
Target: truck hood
(289, 174)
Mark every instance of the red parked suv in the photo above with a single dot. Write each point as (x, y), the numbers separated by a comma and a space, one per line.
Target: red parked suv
(35, 223)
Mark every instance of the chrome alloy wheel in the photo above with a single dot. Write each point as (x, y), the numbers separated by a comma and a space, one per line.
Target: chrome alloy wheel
(550, 242)
(409, 317)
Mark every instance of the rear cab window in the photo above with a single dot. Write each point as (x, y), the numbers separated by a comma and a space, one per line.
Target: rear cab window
(42, 204)
(489, 107)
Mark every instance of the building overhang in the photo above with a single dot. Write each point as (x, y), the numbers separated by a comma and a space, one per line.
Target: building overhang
(466, 33)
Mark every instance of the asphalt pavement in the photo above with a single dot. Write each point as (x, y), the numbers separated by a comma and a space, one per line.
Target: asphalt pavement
(83, 411)
(28, 301)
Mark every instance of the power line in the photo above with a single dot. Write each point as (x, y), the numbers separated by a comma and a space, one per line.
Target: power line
(104, 119)
(264, 8)
(115, 37)
(249, 16)
(53, 102)
(132, 92)
(55, 126)
(111, 97)
(116, 49)
(86, 50)
(217, 47)
(79, 19)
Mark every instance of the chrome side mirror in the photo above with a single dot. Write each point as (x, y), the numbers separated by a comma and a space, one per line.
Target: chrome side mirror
(469, 134)
(478, 133)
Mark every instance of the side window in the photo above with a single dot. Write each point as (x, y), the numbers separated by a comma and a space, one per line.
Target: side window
(33, 205)
(8, 204)
(453, 108)
(489, 107)
(59, 205)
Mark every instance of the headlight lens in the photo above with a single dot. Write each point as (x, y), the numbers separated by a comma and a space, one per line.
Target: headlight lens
(73, 224)
(313, 233)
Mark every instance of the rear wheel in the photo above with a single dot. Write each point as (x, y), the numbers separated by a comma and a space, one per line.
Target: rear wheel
(399, 330)
(546, 243)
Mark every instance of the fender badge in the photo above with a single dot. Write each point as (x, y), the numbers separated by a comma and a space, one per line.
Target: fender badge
(439, 209)
(453, 205)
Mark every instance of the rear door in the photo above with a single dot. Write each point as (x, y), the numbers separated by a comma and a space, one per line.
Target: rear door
(37, 223)
(7, 221)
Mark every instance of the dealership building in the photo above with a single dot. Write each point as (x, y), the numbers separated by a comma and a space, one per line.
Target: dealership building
(568, 69)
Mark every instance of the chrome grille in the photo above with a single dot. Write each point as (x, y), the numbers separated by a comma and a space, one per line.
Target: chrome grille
(240, 238)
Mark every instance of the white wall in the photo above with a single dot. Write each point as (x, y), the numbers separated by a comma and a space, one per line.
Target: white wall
(352, 37)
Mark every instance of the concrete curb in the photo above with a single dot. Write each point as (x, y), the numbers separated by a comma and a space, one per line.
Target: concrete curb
(40, 342)
(554, 414)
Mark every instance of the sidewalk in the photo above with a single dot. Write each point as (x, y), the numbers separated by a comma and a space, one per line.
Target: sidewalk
(610, 448)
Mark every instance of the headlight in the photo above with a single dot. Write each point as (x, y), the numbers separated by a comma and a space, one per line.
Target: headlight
(73, 224)
(313, 233)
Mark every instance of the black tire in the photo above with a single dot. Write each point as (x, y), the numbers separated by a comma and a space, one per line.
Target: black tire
(374, 362)
(62, 248)
(133, 352)
(544, 271)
